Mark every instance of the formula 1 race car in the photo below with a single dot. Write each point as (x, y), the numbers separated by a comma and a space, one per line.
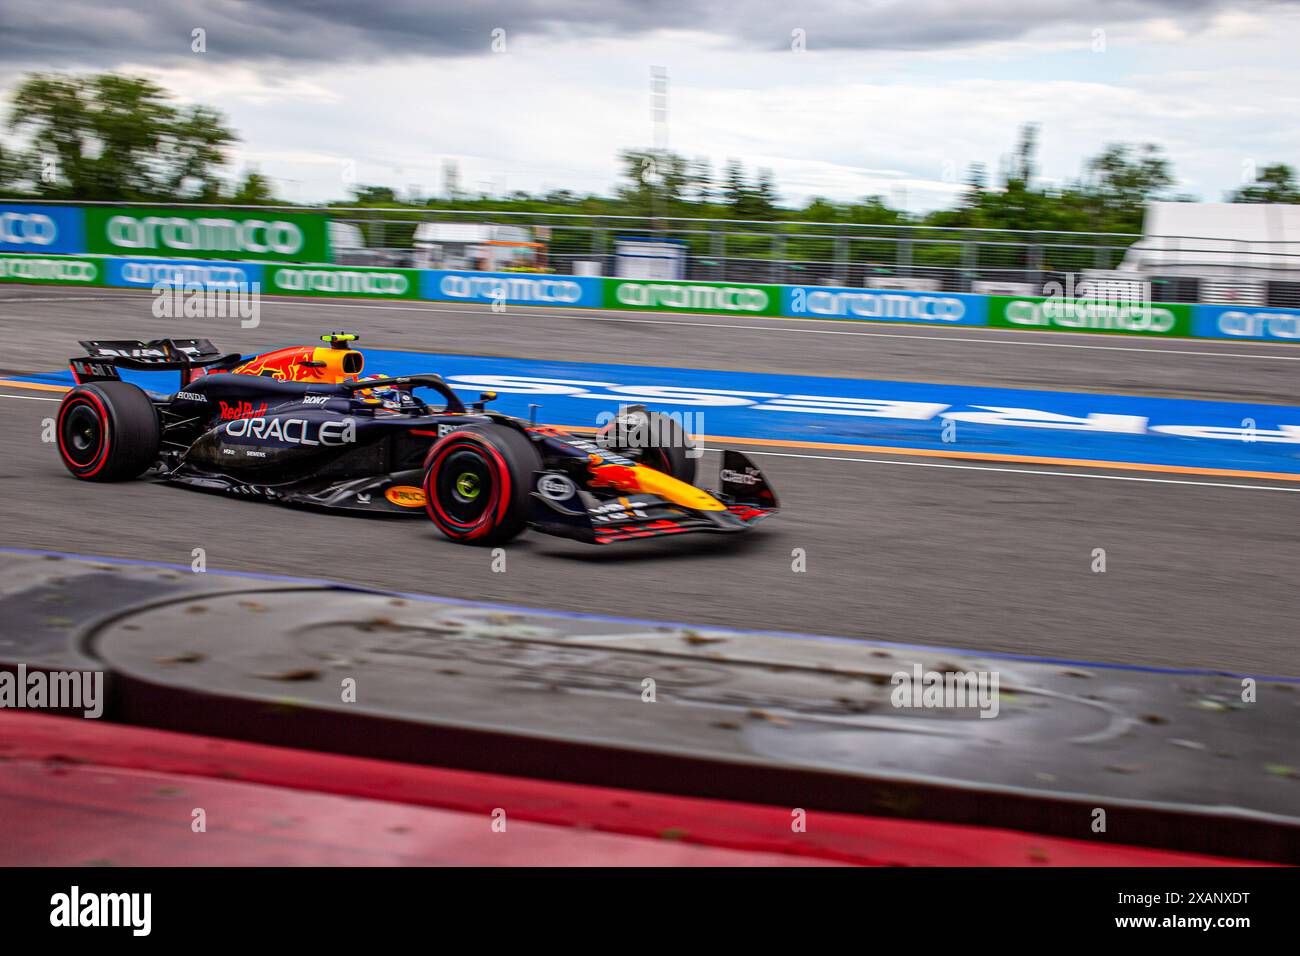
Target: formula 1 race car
(299, 425)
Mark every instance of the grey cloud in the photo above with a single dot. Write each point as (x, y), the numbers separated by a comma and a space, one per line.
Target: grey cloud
(97, 33)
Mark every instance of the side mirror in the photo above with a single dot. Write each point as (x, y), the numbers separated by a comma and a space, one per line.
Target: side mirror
(483, 399)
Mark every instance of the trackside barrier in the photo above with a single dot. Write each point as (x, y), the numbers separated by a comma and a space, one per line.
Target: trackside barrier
(932, 308)
(1032, 313)
(273, 235)
(43, 230)
(52, 270)
(729, 298)
(511, 288)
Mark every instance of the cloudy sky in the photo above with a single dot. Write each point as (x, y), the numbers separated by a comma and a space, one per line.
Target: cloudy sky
(841, 99)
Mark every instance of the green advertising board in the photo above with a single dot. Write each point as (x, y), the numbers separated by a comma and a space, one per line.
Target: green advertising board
(207, 233)
(1087, 315)
(661, 295)
(342, 280)
(54, 270)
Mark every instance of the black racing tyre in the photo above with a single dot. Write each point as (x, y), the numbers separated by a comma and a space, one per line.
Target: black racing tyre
(477, 482)
(108, 431)
(666, 450)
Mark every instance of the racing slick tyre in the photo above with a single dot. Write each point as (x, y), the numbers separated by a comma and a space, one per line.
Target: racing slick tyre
(108, 431)
(659, 441)
(477, 482)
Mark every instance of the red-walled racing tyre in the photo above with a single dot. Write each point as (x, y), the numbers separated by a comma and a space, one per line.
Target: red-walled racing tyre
(477, 482)
(654, 439)
(107, 431)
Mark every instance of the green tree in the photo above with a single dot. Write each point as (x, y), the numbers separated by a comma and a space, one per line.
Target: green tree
(114, 137)
(1122, 179)
(199, 136)
(702, 181)
(657, 181)
(374, 196)
(1273, 183)
(734, 190)
(11, 173)
(255, 190)
(764, 195)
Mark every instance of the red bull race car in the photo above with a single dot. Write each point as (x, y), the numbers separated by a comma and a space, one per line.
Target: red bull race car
(302, 426)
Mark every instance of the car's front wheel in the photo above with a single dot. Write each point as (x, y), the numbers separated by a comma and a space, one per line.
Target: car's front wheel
(477, 482)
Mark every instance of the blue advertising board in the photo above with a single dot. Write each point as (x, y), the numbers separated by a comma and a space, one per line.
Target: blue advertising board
(135, 273)
(44, 230)
(513, 288)
(883, 305)
(1245, 322)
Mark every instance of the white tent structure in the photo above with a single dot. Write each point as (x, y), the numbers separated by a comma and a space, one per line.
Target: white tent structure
(1218, 240)
(482, 246)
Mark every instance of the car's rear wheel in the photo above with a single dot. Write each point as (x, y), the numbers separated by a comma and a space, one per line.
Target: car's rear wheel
(477, 482)
(108, 431)
(651, 438)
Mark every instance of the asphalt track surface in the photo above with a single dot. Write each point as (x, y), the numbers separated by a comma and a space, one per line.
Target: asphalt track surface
(1200, 573)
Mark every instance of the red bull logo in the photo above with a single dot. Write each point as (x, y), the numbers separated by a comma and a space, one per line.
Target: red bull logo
(305, 363)
(241, 410)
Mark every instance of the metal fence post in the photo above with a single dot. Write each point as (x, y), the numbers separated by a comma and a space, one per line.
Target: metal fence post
(598, 247)
(970, 252)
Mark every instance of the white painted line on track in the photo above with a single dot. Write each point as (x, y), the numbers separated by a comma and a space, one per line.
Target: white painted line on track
(31, 398)
(66, 298)
(1025, 471)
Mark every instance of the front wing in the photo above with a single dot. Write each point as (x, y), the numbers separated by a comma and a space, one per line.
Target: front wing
(561, 508)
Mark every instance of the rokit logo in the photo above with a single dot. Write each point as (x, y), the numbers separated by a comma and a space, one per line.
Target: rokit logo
(293, 431)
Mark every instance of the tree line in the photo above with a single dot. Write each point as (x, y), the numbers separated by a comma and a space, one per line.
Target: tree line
(111, 137)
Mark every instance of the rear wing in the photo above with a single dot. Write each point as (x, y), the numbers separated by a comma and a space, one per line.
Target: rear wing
(105, 356)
